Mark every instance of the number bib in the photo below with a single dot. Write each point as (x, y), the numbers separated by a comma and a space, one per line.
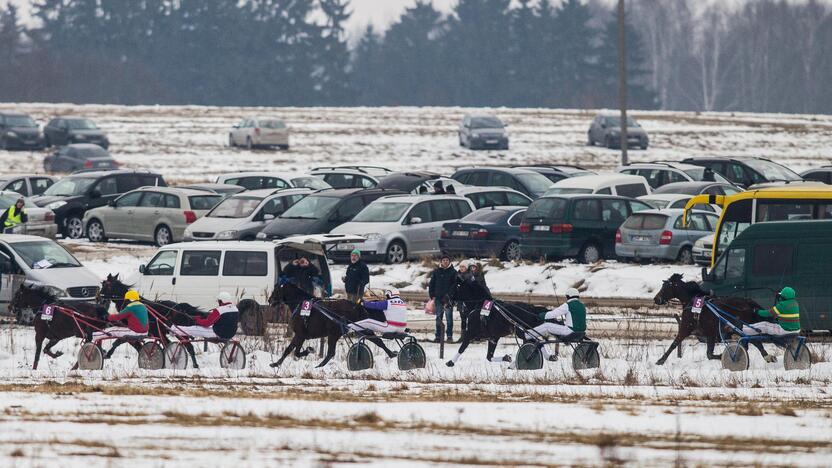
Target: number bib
(47, 313)
(305, 309)
(698, 303)
(485, 311)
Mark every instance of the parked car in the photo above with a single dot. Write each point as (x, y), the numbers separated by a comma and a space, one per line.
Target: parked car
(242, 216)
(320, 212)
(271, 180)
(484, 197)
(603, 184)
(157, 214)
(42, 262)
(559, 172)
(662, 173)
(605, 130)
(487, 232)
(378, 172)
(409, 182)
(402, 227)
(482, 131)
(67, 130)
(73, 195)
(340, 178)
(575, 226)
(41, 220)
(702, 250)
(19, 131)
(258, 132)
(226, 190)
(821, 174)
(697, 188)
(674, 200)
(526, 181)
(661, 235)
(746, 171)
(79, 156)
(27, 184)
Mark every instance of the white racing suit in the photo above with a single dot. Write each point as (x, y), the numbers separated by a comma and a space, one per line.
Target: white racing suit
(393, 312)
(220, 323)
(555, 329)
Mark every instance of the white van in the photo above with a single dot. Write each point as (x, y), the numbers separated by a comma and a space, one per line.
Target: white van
(623, 185)
(42, 262)
(194, 272)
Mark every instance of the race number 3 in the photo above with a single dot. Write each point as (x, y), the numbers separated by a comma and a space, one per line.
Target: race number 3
(305, 309)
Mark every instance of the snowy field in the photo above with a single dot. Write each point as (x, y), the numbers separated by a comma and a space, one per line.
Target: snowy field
(629, 411)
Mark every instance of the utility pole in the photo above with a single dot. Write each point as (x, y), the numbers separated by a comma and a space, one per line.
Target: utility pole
(622, 81)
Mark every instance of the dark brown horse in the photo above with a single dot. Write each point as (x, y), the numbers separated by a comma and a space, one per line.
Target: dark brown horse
(706, 324)
(62, 325)
(318, 324)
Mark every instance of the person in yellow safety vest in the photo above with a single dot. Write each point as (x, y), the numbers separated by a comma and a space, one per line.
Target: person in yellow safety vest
(14, 216)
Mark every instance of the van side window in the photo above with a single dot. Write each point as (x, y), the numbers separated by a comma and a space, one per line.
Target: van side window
(631, 190)
(772, 260)
(605, 191)
(443, 210)
(614, 212)
(420, 211)
(734, 265)
(162, 264)
(200, 263)
(587, 209)
(245, 264)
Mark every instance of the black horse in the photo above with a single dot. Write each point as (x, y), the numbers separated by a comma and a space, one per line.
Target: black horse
(62, 325)
(706, 324)
(318, 324)
(496, 325)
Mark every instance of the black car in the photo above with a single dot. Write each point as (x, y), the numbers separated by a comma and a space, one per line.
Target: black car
(19, 131)
(487, 232)
(73, 195)
(526, 181)
(79, 157)
(67, 130)
(605, 130)
(559, 172)
(407, 181)
(320, 212)
(821, 174)
(698, 188)
(746, 172)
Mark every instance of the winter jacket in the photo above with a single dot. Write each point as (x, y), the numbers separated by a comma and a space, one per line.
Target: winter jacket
(442, 282)
(358, 276)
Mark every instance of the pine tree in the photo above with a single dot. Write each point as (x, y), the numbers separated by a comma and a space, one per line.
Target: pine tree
(576, 53)
(639, 95)
(332, 76)
(368, 69)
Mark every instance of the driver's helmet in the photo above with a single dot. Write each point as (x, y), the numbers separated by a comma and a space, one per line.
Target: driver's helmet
(787, 293)
(224, 297)
(131, 295)
(391, 293)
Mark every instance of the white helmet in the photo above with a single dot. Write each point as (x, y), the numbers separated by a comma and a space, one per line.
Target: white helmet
(391, 293)
(572, 292)
(224, 297)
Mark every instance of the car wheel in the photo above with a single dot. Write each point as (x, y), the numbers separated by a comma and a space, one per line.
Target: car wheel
(643, 146)
(589, 141)
(608, 142)
(163, 236)
(74, 227)
(396, 252)
(249, 145)
(95, 231)
(3, 144)
(231, 141)
(685, 256)
(590, 253)
(511, 251)
(46, 142)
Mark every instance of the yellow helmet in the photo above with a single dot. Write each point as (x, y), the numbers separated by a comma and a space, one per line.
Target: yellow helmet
(131, 295)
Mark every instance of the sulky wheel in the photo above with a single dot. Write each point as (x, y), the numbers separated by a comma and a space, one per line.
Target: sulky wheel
(232, 356)
(529, 357)
(586, 356)
(359, 357)
(176, 356)
(734, 357)
(151, 356)
(800, 360)
(90, 357)
(412, 356)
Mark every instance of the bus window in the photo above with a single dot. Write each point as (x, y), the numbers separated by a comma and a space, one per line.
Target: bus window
(772, 260)
(735, 219)
(780, 210)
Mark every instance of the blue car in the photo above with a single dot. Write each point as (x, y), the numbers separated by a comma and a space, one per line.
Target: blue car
(487, 232)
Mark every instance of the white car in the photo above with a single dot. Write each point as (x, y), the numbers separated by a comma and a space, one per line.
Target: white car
(42, 262)
(41, 220)
(623, 185)
(257, 180)
(661, 201)
(254, 132)
(401, 227)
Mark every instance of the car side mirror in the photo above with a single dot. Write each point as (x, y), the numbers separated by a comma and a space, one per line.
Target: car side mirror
(268, 217)
(416, 220)
(111, 203)
(142, 269)
(95, 194)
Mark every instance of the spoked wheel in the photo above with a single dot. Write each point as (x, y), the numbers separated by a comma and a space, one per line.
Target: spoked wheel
(797, 360)
(512, 251)
(232, 356)
(586, 356)
(359, 357)
(90, 357)
(734, 357)
(151, 356)
(529, 357)
(176, 356)
(74, 227)
(412, 356)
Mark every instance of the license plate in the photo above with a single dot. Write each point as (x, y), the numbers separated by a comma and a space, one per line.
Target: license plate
(460, 233)
(485, 311)
(698, 302)
(48, 313)
(641, 238)
(541, 228)
(346, 246)
(305, 309)
(491, 142)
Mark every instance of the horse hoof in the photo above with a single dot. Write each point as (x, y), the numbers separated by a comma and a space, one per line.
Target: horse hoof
(449, 363)
(393, 354)
(58, 354)
(274, 365)
(506, 358)
(553, 358)
(660, 362)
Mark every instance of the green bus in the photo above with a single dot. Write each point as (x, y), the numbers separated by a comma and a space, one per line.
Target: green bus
(767, 256)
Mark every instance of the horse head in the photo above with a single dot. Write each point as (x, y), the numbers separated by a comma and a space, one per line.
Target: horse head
(31, 297)
(289, 293)
(471, 291)
(672, 288)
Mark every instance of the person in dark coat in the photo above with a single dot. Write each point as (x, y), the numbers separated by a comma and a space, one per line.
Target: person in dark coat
(302, 274)
(357, 277)
(440, 289)
(438, 188)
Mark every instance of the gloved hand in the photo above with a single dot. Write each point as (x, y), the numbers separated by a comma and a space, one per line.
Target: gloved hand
(542, 315)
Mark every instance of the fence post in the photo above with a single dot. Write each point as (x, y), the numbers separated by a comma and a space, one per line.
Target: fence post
(442, 340)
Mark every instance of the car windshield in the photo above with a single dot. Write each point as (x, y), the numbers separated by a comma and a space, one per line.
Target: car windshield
(314, 183)
(547, 208)
(92, 151)
(81, 124)
(681, 188)
(235, 207)
(772, 171)
(616, 122)
(698, 174)
(381, 213)
(486, 122)
(645, 221)
(564, 190)
(536, 183)
(486, 215)
(44, 254)
(272, 124)
(69, 187)
(20, 121)
(311, 207)
(204, 202)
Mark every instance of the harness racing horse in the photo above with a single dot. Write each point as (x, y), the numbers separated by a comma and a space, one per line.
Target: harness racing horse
(706, 325)
(318, 323)
(496, 325)
(62, 325)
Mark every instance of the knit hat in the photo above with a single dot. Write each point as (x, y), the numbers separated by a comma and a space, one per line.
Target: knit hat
(356, 252)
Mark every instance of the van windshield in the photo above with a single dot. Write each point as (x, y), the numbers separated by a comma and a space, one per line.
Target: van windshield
(535, 183)
(564, 190)
(381, 213)
(44, 254)
(554, 208)
(235, 207)
(312, 207)
(69, 187)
